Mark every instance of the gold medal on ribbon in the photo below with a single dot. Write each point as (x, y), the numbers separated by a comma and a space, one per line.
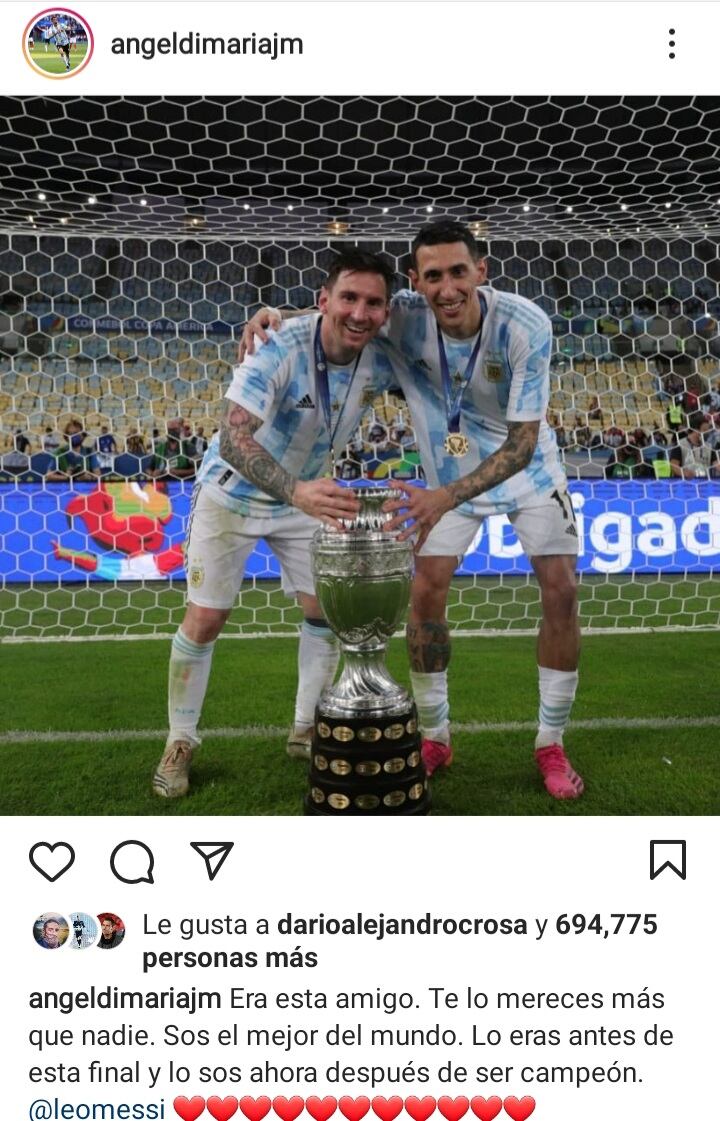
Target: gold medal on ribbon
(457, 444)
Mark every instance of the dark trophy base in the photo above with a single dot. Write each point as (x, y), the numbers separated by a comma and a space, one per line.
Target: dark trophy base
(364, 767)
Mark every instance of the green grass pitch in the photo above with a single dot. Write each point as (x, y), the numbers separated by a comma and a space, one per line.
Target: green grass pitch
(53, 63)
(645, 731)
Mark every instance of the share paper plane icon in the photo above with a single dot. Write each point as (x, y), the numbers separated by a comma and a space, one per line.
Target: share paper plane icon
(214, 853)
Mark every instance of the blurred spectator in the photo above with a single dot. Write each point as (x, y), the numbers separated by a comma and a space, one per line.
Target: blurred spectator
(356, 446)
(613, 437)
(377, 436)
(199, 443)
(712, 400)
(675, 415)
(691, 405)
(17, 459)
(134, 444)
(106, 449)
(594, 410)
(673, 385)
(73, 465)
(626, 462)
(75, 436)
(640, 438)
(51, 440)
(692, 458)
(583, 436)
(659, 438)
(348, 468)
(169, 459)
(402, 435)
(710, 434)
(561, 436)
(661, 465)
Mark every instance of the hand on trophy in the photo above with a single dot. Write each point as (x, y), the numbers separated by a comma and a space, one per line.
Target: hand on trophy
(326, 500)
(418, 512)
(266, 317)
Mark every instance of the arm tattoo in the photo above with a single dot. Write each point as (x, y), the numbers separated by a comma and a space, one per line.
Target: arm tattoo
(428, 647)
(511, 457)
(248, 458)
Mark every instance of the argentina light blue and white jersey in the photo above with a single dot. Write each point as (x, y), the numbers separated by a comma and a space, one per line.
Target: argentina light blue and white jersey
(278, 384)
(510, 383)
(61, 36)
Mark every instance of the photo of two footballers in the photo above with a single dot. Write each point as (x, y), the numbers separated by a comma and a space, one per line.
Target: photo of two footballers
(504, 308)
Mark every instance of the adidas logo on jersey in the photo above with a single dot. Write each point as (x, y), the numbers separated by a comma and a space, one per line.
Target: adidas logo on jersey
(571, 530)
(305, 402)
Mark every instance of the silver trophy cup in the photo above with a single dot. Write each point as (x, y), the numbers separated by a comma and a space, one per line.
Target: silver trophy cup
(366, 745)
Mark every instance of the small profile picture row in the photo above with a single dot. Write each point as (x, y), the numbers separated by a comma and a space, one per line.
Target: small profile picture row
(52, 931)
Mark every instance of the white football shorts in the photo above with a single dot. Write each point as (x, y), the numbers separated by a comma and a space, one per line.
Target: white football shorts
(219, 542)
(546, 530)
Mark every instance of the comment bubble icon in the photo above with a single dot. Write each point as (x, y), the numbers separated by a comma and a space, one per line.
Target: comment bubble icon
(132, 862)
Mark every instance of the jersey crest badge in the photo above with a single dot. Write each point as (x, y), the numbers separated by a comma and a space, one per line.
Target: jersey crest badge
(493, 367)
(196, 576)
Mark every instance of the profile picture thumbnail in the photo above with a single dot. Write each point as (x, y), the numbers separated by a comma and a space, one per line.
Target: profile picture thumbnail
(51, 930)
(57, 43)
(85, 930)
(112, 930)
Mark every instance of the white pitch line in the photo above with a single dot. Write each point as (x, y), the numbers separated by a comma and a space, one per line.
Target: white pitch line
(478, 632)
(270, 731)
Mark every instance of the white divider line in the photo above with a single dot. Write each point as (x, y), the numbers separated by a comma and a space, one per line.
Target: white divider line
(270, 731)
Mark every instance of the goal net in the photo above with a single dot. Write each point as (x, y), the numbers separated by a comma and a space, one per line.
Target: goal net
(140, 234)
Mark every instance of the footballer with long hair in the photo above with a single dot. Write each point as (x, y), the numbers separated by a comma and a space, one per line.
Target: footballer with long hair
(62, 40)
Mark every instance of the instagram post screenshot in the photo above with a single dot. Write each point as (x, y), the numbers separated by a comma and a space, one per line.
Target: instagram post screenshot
(360, 459)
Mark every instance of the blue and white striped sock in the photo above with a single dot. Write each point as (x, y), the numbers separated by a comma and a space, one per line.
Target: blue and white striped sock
(189, 674)
(557, 693)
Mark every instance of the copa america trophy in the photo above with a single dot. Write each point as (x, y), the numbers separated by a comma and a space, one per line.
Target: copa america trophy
(366, 745)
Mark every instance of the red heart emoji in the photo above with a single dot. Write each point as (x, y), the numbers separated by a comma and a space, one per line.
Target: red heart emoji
(222, 1109)
(189, 1108)
(486, 1109)
(453, 1108)
(387, 1109)
(254, 1108)
(420, 1108)
(321, 1108)
(354, 1108)
(288, 1109)
(519, 1108)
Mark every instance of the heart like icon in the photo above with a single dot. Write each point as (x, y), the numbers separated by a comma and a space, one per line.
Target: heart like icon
(453, 1109)
(354, 1108)
(519, 1108)
(486, 1109)
(288, 1109)
(420, 1108)
(321, 1108)
(52, 861)
(189, 1108)
(254, 1108)
(222, 1109)
(387, 1109)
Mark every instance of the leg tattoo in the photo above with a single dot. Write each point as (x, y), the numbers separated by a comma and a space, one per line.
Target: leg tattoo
(428, 647)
